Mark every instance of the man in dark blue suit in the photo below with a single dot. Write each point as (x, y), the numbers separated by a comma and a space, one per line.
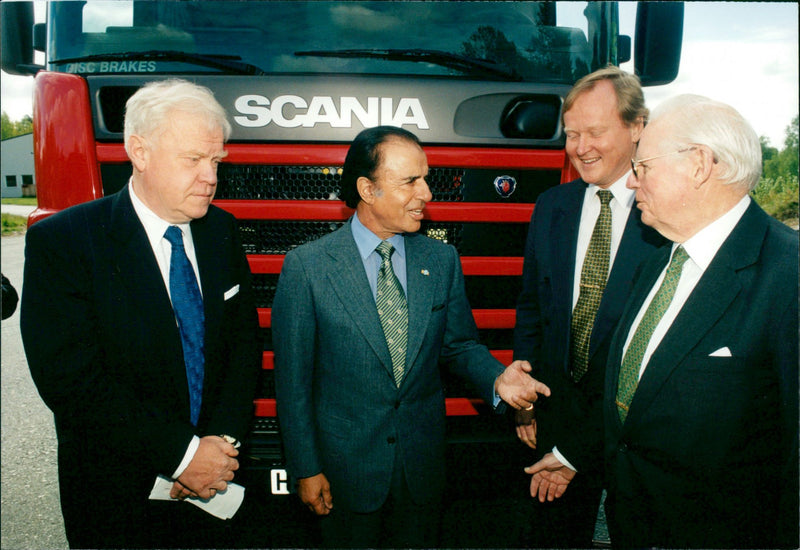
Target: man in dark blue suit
(363, 320)
(140, 389)
(565, 314)
(701, 395)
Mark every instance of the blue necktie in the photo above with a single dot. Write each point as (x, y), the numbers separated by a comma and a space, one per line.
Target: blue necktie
(187, 303)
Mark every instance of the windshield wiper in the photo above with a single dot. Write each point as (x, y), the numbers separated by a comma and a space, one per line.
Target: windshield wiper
(450, 60)
(226, 63)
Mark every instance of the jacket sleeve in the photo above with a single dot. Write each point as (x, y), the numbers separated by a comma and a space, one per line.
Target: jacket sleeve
(293, 335)
(461, 351)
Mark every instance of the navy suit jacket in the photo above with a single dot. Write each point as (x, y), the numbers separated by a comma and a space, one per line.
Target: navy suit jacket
(105, 353)
(708, 454)
(340, 411)
(572, 417)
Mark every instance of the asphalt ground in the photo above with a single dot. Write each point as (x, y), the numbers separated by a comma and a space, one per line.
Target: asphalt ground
(29, 505)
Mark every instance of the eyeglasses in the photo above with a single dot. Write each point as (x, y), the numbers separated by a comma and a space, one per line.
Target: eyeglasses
(635, 163)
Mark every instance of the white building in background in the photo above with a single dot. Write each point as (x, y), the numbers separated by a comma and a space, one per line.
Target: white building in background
(16, 167)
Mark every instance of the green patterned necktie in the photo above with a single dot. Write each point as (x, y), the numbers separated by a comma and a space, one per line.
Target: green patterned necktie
(393, 311)
(631, 364)
(594, 275)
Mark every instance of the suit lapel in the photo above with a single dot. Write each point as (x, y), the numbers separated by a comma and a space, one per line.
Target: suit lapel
(421, 276)
(707, 303)
(564, 229)
(137, 268)
(349, 281)
(637, 243)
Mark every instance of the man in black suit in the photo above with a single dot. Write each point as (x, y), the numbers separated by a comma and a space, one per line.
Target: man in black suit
(145, 348)
(564, 318)
(701, 403)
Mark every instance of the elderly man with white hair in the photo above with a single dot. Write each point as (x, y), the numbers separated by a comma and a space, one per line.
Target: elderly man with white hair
(701, 394)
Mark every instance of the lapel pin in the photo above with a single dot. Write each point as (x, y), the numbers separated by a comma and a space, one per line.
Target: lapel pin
(425, 272)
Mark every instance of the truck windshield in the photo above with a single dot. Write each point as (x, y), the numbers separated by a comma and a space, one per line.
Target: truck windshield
(522, 41)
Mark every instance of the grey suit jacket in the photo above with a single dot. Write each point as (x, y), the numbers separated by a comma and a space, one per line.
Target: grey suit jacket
(340, 411)
(708, 454)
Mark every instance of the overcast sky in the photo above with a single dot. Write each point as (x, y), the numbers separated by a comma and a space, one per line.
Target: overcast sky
(741, 53)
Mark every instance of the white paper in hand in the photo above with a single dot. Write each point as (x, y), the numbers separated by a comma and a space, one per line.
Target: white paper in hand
(222, 505)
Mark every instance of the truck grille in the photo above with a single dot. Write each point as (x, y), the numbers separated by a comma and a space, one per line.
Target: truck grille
(260, 182)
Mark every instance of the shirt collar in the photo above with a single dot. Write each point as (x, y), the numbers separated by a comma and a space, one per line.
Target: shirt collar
(619, 190)
(366, 240)
(154, 226)
(703, 245)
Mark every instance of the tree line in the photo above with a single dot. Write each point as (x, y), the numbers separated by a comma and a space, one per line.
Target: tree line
(14, 128)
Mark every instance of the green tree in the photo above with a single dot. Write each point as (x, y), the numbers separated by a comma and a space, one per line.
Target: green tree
(785, 163)
(11, 128)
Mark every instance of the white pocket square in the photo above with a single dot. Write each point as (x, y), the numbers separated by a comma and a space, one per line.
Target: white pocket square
(231, 293)
(722, 352)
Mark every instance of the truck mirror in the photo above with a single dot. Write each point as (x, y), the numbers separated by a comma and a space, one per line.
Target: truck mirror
(16, 35)
(657, 49)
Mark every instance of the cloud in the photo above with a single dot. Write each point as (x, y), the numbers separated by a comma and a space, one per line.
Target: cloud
(759, 79)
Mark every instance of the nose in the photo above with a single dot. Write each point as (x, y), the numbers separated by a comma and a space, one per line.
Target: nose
(208, 173)
(424, 192)
(632, 182)
(583, 144)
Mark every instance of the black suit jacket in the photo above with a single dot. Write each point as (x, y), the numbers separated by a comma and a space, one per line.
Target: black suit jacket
(572, 417)
(105, 352)
(708, 454)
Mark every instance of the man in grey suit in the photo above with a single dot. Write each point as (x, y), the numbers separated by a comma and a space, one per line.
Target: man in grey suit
(701, 394)
(360, 402)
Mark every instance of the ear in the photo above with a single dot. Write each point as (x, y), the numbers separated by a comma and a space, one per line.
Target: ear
(636, 129)
(366, 189)
(703, 164)
(139, 152)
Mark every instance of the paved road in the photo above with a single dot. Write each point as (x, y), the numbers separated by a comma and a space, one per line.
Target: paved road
(28, 479)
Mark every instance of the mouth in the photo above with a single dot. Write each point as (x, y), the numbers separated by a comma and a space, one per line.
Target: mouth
(417, 214)
(590, 161)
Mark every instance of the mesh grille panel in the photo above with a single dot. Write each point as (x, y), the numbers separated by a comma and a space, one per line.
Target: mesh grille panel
(260, 182)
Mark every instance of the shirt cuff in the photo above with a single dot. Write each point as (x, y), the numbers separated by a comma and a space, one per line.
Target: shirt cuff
(563, 460)
(187, 458)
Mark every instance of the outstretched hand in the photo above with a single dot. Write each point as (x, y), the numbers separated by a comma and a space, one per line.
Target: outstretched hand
(550, 478)
(518, 388)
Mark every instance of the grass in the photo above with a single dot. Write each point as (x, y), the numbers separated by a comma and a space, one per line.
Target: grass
(13, 225)
(24, 201)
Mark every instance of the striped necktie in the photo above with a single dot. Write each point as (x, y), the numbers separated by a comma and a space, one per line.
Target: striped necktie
(594, 275)
(393, 311)
(632, 362)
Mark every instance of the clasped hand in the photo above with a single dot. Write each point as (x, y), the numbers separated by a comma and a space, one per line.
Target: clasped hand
(210, 470)
(518, 388)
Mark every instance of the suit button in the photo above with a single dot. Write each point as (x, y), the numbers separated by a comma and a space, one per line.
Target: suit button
(623, 447)
(391, 440)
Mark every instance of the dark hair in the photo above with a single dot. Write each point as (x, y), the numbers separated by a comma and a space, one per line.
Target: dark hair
(364, 158)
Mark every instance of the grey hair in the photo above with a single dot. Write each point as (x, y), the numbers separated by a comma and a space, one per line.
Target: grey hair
(698, 120)
(148, 109)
